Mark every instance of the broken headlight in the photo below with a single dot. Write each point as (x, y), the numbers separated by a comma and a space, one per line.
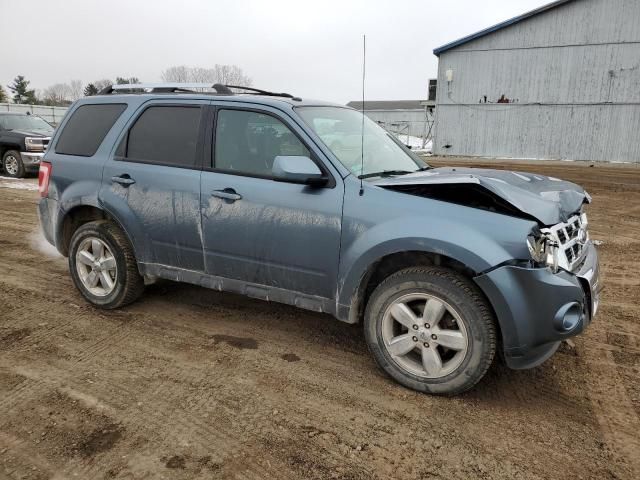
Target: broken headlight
(544, 250)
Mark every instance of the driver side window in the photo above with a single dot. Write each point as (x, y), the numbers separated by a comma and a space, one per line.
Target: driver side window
(248, 142)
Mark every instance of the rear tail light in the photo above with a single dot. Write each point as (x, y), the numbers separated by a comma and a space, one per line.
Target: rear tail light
(44, 175)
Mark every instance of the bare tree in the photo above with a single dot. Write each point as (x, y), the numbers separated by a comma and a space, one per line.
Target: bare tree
(232, 75)
(75, 90)
(104, 83)
(225, 74)
(57, 94)
(178, 74)
(127, 80)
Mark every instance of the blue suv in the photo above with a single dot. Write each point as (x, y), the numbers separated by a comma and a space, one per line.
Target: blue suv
(310, 204)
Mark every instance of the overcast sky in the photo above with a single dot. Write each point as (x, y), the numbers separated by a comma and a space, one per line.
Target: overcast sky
(312, 48)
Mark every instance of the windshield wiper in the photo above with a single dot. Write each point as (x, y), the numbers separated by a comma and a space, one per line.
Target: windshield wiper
(390, 173)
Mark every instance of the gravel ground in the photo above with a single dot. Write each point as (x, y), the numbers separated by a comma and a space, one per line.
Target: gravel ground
(192, 383)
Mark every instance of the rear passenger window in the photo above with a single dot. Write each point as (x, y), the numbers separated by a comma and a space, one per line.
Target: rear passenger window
(167, 135)
(87, 127)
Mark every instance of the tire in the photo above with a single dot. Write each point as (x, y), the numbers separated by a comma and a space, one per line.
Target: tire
(463, 334)
(16, 167)
(111, 244)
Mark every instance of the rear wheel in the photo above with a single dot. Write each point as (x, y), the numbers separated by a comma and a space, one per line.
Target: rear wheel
(431, 330)
(103, 266)
(13, 166)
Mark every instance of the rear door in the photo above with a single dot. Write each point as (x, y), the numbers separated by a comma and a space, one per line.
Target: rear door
(261, 231)
(151, 183)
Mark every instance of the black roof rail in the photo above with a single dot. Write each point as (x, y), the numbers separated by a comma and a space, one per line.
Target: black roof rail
(265, 92)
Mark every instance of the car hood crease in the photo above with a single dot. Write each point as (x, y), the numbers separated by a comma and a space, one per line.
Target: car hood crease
(547, 199)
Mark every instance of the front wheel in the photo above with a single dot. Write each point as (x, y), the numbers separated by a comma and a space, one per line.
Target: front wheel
(103, 266)
(431, 330)
(13, 165)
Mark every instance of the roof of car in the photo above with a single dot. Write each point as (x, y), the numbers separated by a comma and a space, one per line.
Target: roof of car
(203, 91)
(268, 100)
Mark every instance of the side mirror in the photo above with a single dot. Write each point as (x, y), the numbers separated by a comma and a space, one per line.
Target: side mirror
(297, 169)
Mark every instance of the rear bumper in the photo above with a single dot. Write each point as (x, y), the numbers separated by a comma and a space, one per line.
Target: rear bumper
(537, 309)
(31, 160)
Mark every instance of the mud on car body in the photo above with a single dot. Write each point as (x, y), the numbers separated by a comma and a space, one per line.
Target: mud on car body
(254, 192)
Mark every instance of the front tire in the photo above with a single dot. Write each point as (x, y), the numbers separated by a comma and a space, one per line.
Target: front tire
(12, 163)
(431, 330)
(103, 266)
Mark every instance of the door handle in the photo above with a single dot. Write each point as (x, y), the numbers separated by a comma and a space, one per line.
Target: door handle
(228, 194)
(124, 180)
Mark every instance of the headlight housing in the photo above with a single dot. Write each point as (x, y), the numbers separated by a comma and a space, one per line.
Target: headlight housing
(543, 250)
(34, 144)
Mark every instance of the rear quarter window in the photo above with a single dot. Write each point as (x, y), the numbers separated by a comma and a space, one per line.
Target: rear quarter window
(166, 135)
(87, 127)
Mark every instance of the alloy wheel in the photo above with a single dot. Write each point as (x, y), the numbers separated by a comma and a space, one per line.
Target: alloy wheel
(96, 267)
(424, 335)
(11, 165)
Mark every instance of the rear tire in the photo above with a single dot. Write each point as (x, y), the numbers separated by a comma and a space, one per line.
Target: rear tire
(12, 164)
(103, 266)
(431, 330)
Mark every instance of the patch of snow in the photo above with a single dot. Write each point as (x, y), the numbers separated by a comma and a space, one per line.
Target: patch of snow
(415, 143)
(39, 243)
(18, 183)
(19, 186)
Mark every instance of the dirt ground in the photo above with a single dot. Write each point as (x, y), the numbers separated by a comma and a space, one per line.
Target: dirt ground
(191, 383)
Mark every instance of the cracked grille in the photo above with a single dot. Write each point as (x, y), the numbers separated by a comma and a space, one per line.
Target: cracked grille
(571, 242)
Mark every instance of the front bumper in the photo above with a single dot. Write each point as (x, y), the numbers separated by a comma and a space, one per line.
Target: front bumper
(31, 160)
(537, 309)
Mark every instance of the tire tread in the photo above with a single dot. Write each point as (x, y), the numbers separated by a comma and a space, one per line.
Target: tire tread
(480, 304)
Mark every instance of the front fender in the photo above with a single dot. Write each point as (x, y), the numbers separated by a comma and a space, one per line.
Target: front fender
(391, 222)
(472, 249)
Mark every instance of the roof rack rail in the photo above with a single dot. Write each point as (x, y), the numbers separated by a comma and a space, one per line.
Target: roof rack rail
(265, 92)
(165, 88)
(219, 88)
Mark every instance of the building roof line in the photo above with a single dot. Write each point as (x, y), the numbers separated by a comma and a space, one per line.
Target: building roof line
(499, 26)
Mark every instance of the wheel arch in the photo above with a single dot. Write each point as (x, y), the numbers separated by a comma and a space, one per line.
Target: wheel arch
(391, 262)
(5, 147)
(78, 216)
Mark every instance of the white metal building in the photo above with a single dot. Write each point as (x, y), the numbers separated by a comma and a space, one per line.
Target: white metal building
(404, 117)
(559, 82)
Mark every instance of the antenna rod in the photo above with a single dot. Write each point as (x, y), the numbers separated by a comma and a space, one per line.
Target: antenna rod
(364, 63)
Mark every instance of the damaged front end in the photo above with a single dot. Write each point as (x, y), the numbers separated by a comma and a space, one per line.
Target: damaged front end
(546, 200)
(554, 294)
(562, 245)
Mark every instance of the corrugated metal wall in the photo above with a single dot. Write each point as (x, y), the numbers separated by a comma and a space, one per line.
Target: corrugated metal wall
(573, 75)
(400, 120)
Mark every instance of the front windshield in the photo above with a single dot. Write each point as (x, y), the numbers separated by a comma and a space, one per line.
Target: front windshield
(341, 130)
(24, 122)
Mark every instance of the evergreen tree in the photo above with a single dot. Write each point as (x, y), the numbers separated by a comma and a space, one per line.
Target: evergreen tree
(90, 90)
(3, 95)
(21, 92)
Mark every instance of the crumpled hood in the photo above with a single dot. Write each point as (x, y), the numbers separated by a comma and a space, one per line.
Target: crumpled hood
(548, 199)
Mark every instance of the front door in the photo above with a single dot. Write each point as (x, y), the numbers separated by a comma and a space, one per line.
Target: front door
(259, 230)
